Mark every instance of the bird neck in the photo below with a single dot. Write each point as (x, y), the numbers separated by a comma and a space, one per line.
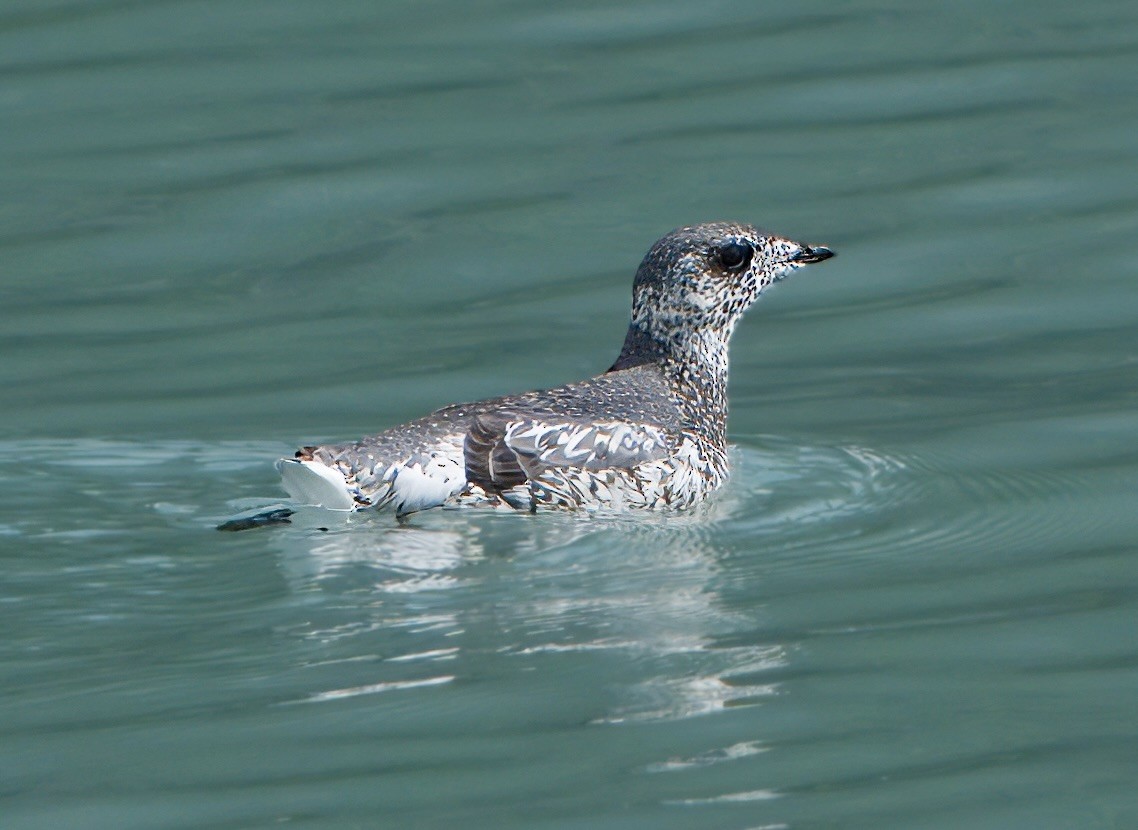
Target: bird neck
(694, 363)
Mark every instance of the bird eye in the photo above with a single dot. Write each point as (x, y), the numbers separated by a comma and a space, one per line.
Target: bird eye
(734, 256)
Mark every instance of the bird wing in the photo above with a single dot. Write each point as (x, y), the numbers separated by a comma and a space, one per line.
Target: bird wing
(505, 449)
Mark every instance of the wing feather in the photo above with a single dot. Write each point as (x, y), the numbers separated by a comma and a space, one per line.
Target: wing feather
(489, 462)
(505, 449)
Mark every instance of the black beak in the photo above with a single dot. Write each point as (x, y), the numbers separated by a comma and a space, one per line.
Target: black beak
(812, 253)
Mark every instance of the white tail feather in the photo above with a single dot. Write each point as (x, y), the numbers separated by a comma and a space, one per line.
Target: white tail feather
(310, 482)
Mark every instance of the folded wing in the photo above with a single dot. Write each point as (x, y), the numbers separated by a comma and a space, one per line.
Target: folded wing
(506, 449)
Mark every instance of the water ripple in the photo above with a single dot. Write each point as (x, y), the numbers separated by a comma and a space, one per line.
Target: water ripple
(855, 502)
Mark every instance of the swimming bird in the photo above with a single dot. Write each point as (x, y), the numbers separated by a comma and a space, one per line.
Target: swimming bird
(651, 432)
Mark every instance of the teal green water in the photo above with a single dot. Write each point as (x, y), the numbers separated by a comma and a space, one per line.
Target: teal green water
(228, 228)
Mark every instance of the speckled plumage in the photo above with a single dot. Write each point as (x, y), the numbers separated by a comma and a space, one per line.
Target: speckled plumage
(651, 432)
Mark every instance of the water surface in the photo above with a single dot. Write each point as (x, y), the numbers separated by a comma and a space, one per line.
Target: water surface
(232, 228)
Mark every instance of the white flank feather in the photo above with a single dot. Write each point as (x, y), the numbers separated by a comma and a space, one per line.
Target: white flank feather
(416, 486)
